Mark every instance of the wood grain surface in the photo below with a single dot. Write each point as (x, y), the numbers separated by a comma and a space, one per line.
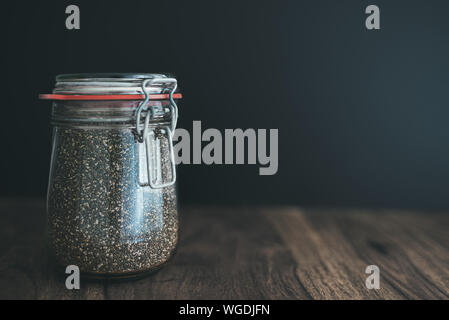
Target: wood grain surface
(251, 253)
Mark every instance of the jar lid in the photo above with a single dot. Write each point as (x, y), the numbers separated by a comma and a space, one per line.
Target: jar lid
(112, 86)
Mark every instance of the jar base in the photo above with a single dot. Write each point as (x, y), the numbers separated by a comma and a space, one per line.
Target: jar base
(122, 276)
(113, 277)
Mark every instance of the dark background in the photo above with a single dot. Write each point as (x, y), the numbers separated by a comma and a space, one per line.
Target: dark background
(362, 115)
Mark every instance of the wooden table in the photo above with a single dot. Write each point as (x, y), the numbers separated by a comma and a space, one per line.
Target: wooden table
(252, 253)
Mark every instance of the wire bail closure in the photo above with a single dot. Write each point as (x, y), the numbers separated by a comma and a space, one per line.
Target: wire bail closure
(147, 135)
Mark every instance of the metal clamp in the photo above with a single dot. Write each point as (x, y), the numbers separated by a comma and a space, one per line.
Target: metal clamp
(153, 166)
(147, 135)
(143, 105)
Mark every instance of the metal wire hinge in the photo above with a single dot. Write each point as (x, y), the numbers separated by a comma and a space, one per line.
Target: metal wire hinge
(147, 136)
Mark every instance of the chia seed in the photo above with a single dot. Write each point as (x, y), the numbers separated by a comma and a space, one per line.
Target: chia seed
(99, 217)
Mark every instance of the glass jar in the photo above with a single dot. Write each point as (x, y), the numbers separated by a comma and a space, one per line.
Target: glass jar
(111, 202)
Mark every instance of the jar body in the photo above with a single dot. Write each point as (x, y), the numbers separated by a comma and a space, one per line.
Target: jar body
(101, 217)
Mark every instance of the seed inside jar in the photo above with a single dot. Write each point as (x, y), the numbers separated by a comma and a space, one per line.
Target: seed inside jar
(99, 217)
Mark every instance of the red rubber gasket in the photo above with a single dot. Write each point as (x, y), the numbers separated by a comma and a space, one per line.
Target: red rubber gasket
(108, 97)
